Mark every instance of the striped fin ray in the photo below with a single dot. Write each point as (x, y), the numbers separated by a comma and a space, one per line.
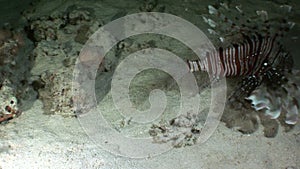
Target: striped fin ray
(227, 28)
(230, 23)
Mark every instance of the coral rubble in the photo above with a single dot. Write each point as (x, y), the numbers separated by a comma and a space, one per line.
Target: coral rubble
(181, 131)
(15, 64)
(58, 39)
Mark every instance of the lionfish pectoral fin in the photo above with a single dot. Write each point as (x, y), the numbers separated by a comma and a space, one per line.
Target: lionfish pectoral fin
(245, 87)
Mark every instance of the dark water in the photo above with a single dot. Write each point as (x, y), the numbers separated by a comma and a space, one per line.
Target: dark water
(11, 10)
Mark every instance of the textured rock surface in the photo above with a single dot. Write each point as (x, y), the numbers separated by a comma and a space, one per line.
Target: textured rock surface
(58, 38)
(15, 65)
(8, 102)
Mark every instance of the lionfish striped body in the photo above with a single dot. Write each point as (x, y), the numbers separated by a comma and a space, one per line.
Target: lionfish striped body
(254, 59)
(240, 59)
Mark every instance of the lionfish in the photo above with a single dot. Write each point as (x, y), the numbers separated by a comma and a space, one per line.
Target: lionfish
(259, 58)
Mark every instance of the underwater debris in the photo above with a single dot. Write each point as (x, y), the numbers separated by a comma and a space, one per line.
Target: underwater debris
(180, 131)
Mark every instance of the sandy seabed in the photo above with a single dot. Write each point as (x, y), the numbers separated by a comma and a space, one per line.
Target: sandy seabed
(37, 141)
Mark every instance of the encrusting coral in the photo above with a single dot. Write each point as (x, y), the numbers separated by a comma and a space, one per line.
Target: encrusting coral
(11, 43)
(58, 39)
(8, 102)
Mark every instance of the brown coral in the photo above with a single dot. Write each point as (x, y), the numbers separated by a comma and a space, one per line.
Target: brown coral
(10, 44)
(4, 35)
